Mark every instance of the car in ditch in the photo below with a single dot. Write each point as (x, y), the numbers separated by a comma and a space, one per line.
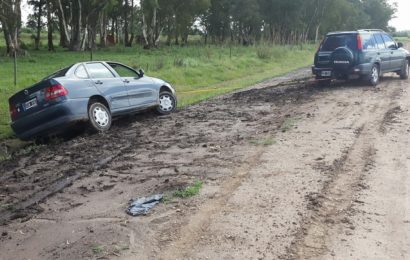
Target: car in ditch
(92, 92)
(363, 54)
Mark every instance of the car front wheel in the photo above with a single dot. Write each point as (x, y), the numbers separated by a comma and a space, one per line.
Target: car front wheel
(404, 74)
(167, 103)
(100, 117)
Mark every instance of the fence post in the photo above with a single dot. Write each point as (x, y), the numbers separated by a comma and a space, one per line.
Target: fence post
(15, 68)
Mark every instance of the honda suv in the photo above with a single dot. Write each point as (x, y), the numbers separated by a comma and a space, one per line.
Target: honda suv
(364, 54)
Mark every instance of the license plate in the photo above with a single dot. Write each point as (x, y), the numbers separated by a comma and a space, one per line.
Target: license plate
(30, 104)
(326, 73)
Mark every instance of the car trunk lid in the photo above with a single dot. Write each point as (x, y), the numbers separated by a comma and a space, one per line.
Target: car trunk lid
(35, 98)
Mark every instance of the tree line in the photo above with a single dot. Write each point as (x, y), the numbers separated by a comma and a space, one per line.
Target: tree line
(84, 24)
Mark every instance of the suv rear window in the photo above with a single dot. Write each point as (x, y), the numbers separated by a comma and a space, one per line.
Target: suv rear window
(332, 42)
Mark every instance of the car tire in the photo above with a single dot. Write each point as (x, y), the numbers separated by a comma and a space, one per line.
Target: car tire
(374, 77)
(324, 82)
(167, 103)
(404, 73)
(99, 116)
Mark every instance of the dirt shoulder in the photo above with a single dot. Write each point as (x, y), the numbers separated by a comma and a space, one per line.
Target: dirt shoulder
(288, 172)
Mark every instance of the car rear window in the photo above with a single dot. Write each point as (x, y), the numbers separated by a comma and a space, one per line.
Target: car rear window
(332, 42)
(58, 74)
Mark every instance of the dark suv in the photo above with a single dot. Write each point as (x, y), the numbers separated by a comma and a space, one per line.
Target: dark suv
(365, 54)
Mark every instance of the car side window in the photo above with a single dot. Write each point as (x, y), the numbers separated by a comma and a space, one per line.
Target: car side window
(123, 71)
(379, 41)
(368, 42)
(81, 73)
(99, 71)
(390, 43)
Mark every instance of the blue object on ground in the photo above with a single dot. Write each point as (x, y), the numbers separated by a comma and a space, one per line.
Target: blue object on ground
(141, 206)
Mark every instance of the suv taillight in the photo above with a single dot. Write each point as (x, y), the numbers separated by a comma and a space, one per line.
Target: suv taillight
(55, 91)
(359, 42)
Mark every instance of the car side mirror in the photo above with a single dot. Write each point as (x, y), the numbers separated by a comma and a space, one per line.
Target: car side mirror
(400, 45)
(141, 73)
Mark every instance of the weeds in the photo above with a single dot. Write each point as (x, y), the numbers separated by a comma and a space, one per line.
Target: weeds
(189, 191)
(264, 53)
(98, 249)
(288, 124)
(264, 142)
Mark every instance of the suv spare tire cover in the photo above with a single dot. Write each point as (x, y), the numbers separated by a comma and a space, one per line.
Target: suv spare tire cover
(342, 58)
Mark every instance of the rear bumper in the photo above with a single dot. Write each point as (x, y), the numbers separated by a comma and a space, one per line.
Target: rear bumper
(359, 70)
(51, 119)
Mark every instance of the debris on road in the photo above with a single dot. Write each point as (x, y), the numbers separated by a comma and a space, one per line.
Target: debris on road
(141, 206)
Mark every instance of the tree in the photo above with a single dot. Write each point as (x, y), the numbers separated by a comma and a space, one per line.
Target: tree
(10, 17)
(38, 6)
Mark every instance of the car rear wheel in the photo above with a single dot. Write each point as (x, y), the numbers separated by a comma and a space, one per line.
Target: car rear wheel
(167, 103)
(100, 117)
(374, 77)
(404, 74)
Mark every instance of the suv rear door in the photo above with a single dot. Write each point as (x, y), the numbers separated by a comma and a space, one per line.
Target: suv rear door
(383, 53)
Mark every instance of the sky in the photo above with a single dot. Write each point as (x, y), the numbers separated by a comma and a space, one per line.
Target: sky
(401, 22)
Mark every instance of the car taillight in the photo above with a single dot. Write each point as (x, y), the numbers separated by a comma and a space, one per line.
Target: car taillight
(359, 42)
(13, 111)
(55, 91)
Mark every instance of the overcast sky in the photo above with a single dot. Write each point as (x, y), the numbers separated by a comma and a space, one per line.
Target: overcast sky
(402, 22)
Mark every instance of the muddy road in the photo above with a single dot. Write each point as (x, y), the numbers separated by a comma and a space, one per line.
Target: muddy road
(289, 170)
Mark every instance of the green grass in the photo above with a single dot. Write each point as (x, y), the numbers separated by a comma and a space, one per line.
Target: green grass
(263, 142)
(288, 124)
(98, 249)
(197, 72)
(189, 191)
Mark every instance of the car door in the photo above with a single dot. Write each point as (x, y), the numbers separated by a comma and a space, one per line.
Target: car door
(396, 58)
(109, 85)
(383, 53)
(141, 90)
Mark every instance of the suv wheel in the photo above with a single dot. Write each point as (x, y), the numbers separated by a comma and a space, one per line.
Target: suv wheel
(374, 77)
(404, 73)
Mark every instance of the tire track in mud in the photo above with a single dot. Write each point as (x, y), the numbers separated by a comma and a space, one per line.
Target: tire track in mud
(198, 223)
(330, 208)
(154, 147)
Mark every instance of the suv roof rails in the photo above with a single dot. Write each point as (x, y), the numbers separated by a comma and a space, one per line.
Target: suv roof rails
(370, 30)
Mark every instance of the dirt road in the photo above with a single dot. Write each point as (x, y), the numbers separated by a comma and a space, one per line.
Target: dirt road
(290, 171)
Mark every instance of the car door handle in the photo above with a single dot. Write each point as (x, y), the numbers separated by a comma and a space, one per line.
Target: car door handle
(378, 53)
(126, 81)
(99, 82)
(392, 52)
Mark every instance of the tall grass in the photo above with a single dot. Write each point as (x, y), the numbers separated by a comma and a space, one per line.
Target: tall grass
(197, 72)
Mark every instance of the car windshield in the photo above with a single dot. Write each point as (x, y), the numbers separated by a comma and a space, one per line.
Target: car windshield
(60, 73)
(333, 42)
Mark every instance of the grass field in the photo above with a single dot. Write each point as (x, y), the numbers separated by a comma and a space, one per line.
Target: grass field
(197, 72)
